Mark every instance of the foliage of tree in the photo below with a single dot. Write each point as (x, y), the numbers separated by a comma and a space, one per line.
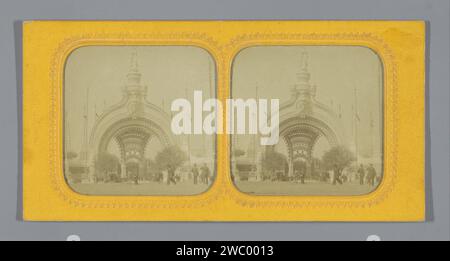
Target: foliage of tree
(151, 167)
(105, 163)
(238, 153)
(151, 164)
(71, 155)
(170, 156)
(338, 155)
(272, 161)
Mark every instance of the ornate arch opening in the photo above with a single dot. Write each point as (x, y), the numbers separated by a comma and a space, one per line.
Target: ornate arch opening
(132, 136)
(300, 135)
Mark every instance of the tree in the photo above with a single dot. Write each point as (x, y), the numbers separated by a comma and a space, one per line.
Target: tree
(151, 168)
(272, 161)
(338, 155)
(238, 152)
(151, 164)
(105, 163)
(170, 156)
(71, 155)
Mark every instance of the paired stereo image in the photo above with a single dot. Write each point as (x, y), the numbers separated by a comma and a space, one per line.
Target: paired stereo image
(143, 120)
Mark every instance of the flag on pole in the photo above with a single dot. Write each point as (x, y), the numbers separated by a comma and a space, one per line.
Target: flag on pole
(357, 116)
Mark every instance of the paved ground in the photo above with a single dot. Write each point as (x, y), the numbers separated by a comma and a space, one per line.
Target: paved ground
(187, 188)
(151, 188)
(310, 188)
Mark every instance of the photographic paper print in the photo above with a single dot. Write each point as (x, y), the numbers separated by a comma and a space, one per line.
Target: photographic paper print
(329, 120)
(118, 135)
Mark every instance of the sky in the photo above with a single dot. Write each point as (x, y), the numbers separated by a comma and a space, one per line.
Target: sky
(335, 70)
(172, 72)
(169, 72)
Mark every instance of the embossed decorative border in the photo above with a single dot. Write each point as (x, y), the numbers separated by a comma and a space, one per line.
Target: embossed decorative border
(236, 44)
(400, 46)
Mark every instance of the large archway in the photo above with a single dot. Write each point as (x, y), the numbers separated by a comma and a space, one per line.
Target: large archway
(300, 135)
(304, 121)
(131, 124)
(132, 136)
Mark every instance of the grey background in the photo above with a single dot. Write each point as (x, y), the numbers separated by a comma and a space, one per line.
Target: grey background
(435, 12)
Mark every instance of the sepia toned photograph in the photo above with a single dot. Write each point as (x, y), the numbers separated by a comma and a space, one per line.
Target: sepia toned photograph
(224, 121)
(328, 121)
(118, 138)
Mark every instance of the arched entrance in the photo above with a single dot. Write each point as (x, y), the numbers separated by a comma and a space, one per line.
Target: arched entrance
(131, 124)
(300, 135)
(132, 168)
(131, 136)
(300, 165)
(303, 121)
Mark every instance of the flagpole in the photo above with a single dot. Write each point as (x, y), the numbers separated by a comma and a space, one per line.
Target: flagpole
(84, 151)
(254, 136)
(68, 143)
(356, 119)
(372, 143)
(188, 136)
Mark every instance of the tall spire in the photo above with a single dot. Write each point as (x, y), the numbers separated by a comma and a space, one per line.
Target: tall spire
(133, 84)
(134, 76)
(134, 66)
(304, 62)
(303, 75)
(303, 90)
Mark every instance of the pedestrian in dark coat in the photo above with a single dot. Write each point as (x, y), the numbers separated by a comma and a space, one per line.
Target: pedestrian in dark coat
(171, 175)
(195, 173)
(361, 173)
(371, 175)
(302, 177)
(205, 174)
(337, 175)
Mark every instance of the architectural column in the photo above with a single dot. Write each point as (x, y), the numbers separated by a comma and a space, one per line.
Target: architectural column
(91, 174)
(291, 166)
(141, 169)
(123, 170)
(260, 154)
(308, 167)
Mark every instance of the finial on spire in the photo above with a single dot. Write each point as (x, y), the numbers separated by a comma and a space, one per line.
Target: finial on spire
(133, 83)
(304, 61)
(134, 62)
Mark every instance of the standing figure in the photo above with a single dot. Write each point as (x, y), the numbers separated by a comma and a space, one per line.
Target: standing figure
(170, 175)
(361, 174)
(205, 174)
(296, 175)
(302, 177)
(136, 179)
(371, 175)
(337, 175)
(195, 173)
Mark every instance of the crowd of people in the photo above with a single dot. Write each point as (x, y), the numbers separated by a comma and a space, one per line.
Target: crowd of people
(362, 174)
(365, 175)
(198, 175)
(202, 175)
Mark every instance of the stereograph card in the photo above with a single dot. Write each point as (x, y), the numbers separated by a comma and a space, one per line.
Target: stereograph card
(223, 120)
